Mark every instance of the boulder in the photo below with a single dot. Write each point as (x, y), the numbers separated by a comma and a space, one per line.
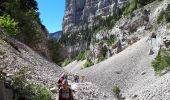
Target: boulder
(166, 42)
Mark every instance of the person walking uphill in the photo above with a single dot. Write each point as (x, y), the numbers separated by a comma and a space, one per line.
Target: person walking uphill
(65, 93)
(76, 78)
(60, 81)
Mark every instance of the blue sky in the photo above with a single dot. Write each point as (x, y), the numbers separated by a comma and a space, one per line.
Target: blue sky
(51, 14)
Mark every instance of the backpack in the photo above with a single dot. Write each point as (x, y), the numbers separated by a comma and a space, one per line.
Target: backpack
(70, 94)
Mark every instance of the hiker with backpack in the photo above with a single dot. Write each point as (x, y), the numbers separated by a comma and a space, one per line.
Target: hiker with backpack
(65, 76)
(65, 93)
(60, 81)
(76, 78)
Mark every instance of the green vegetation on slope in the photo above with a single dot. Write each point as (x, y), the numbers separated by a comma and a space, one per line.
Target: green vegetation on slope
(134, 4)
(116, 90)
(164, 17)
(162, 61)
(9, 24)
(25, 90)
(81, 56)
(88, 63)
(131, 6)
(67, 61)
(21, 18)
(55, 50)
(101, 58)
(111, 40)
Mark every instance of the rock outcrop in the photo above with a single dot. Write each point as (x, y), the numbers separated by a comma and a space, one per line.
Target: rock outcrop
(81, 13)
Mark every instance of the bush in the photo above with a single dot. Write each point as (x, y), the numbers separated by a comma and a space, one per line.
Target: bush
(111, 40)
(162, 61)
(88, 63)
(81, 56)
(116, 90)
(134, 4)
(129, 8)
(24, 90)
(164, 17)
(67, 61)
(101, 58)
(9, 24)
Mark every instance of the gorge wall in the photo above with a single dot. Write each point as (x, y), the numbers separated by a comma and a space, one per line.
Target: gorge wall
(81, 13)
(105, 40)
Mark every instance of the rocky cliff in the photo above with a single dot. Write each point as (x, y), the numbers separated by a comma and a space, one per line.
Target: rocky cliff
(81, 13)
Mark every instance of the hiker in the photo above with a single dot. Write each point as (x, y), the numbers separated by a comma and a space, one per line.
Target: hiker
(65, 93)
(59, 82)
(76, 78)
(65, 77)
(82, 78)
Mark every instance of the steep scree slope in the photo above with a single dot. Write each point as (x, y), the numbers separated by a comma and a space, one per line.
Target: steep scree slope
(130, 70)
(15, 56)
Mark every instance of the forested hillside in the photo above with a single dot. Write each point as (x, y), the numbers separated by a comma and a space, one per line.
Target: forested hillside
(20, 19)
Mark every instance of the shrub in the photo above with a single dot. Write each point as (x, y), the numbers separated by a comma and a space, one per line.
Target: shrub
(101, 58)
(111, 40)
(164, 17)
(88, 63)
(116, 90)
(9, 24)
(29, 91)
(162, 61)
(131, 7)
(167, 16)
(81, 56)
(161, 17)
(67, 61)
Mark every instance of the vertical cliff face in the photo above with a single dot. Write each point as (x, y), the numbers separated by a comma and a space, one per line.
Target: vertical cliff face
(81, 13)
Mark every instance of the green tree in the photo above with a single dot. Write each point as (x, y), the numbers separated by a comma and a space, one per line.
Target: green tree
(29, 5)
(9, 24)
(161, 61)
(55, 50)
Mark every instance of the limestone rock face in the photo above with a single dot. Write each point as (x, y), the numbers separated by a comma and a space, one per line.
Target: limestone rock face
(81, 13)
